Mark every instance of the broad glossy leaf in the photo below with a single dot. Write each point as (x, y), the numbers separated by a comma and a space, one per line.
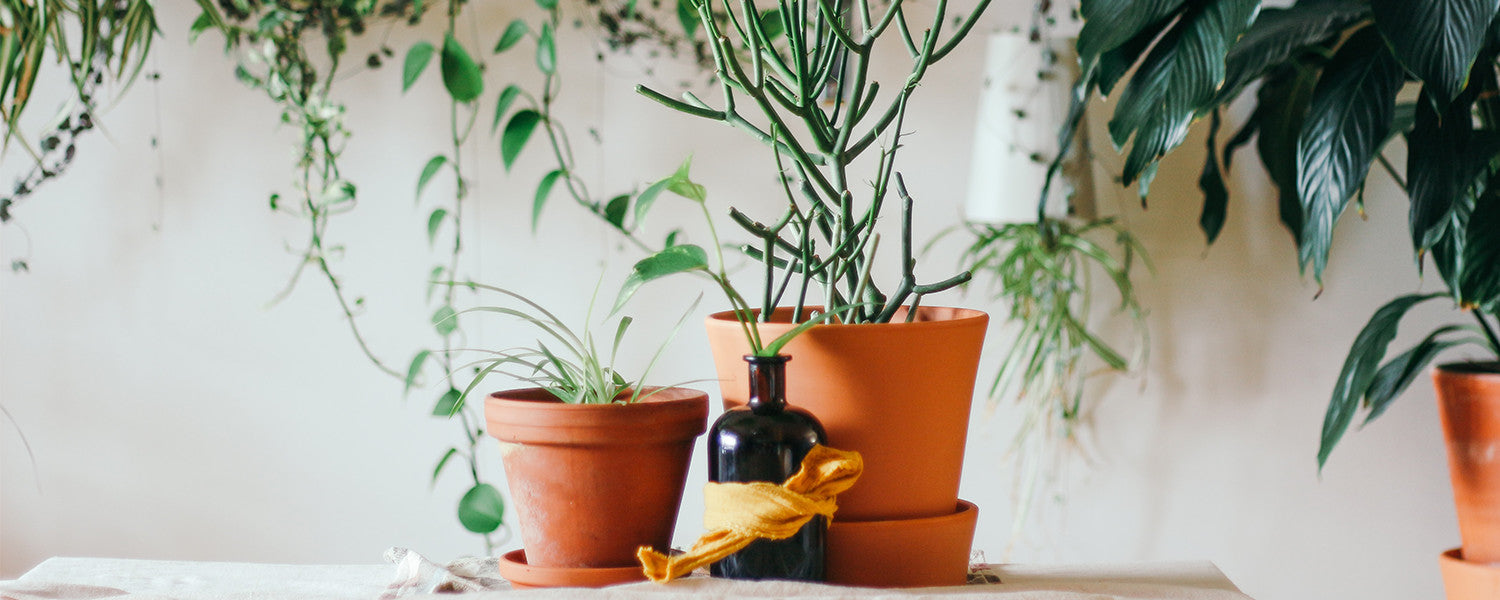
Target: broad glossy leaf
(445, 320)
(461, 75)
(428, 170)
(1479, 281)
(1283, 101)
(543, 190)
(1348, 119)
(1211, 181)
(1445, 157)
(1281, 34)
(1360, 367)
(517, 131)
(1115, 63)
(1109, 23)
(1177, 80)
(513, 34)
(1393, 378)
(434, 221)
(416, 61)
(1448, 252)
(415, 369)
(546, 50)
(1437, 40)
(481, 510)
(502, 104)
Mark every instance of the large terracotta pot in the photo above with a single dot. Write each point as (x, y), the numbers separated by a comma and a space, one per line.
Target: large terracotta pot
(1469, 404)
(898, 393)
(592, 482)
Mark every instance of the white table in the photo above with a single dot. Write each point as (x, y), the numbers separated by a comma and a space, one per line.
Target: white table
(90, 578)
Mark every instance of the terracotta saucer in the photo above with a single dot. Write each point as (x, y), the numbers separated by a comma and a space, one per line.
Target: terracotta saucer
(514, 569)
(925, 552)
(1464, 580)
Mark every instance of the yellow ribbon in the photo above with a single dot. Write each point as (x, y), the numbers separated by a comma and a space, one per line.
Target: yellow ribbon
(739, 513)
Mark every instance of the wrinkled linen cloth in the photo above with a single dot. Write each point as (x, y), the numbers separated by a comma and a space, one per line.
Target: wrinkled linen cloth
(417, 578)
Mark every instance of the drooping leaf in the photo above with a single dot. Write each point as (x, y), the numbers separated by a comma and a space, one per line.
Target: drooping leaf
(461, 75)
(1448, 252)
(1347, 120)
(1479, 279)
(688, 16)
(1280, 34)
(671, 260)
(447, 404)
(1282, 106)
(517, 131)
(1437, 40)
(415, 369)
(647, 198)
(1393, 378)
(1115, 63)
(1176, 81)
(513, 34)
(434, 221)
(614, 210)
(543, 189)
(481, 510)
(1445, 156)
(445, 320)
(442, 462)
(1109, 23)
(1360, 367)
(683, 185)
(546, 50)
(1211, 181)
(428, 170)
(502, 104)
(416, 61)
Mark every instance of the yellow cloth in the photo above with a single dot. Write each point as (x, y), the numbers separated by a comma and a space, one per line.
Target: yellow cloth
(739, 513)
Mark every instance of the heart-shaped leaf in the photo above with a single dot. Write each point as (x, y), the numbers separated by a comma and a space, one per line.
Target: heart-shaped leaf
(1437, 40)
(481, 510)
(460, 74)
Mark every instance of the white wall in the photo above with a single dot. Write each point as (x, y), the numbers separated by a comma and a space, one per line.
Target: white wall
(174, 416)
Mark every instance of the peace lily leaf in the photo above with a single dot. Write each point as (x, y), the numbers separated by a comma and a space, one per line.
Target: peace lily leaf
(1360, 367)
(1393, 378)
(442, 462)
(1279, 34)
(1437, 40)
(445, 320)
(428, 170)
(1114, 63)
(1283, 100)
(448, 404)
(1348, 119)
(416, 61)
(460, 75)
(507, 97)
(481, 510)
(434, 221)
(1109, 23)
(1448, 252)
(1176, 81)
(517, 131)
(546, 50)
(513, 34)
(1479, 281)
(1215, 194)
(543, 189)
(415, 369)
(1445, 156)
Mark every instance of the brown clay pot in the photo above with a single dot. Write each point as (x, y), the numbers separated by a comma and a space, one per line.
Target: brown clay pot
(1469, 404)
(898, 393)
(927, 552)
(592, 482)
(1465, 580)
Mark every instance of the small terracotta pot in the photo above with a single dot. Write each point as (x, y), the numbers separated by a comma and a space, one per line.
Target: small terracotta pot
(898, 393)
(928, 552)
(1465, 580)
(514, 569)
(592, 482)
(1469, 404)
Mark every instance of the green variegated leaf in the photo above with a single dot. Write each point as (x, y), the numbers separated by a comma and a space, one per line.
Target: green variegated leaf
(1437, 40)
(1348, 119)
(1280, 34)
(1109, 23)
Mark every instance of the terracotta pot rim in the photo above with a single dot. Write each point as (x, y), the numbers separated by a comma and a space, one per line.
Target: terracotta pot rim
(532, 415)
(963, 511)
(1482, 368)
(515, 569)
(961, 317)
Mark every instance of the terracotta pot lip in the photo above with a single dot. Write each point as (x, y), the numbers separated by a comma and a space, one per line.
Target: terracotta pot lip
(533, 415)
(515, 561)
(540, 397)
(1486, 368)
(961, 317)
(963, 511)
(1455, 557)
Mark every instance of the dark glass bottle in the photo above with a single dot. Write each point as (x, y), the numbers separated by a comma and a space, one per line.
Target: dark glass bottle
(765, 441)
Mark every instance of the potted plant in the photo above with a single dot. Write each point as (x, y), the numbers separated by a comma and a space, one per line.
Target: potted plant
(1338, 80)
(889, 377)
(595, 462)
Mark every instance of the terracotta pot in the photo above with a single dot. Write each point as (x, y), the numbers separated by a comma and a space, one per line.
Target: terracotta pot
(1469, 404)
(592, 482)
(514, 569)
(898, 393)
(927, 552)
(1465, 580)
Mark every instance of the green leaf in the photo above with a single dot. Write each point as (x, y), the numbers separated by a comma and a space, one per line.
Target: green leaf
(442, 462)
(1393, 378)
(1440, 168)
(1347, 120)
(513, 34)
(614, 210)
(1215, 194)
(482, 510)
(448, 404)
(460, 74)
(204, 21)
(1178, 80)
(445, 320)
(1448, 253)
(434, 221)
(676, 259)
(428, 170)
(417, 58)
(546, 50)
(517, 131)
(547, 4)
(415, 369)
(1360, 367)
(1283, 100)
(1437, 40)
(647, 197)
(434, 279)
(1280, 34)
(770, 23)
(543, 189)
(502, 104)
(688, 16)
(1479, 279)
(1109, 23)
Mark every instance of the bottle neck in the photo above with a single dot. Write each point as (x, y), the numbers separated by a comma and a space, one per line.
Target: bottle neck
(767, 383)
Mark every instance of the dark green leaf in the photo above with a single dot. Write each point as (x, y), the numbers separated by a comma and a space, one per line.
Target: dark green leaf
(1448, 252)
(1109, 23)
(614, 210)
(448, 404)
(517, 131)
(770, 23)
(434, 221)
(1283, 101)
(1347, 120)
(1215, 195)
(1439, 167)
(688, 16)
(1115, 63)
(1393, 378)
(482, 510)
(416, 61)
(1437, 40)
(1479, 281)
(445, 320)
(428, 170)
(543, 189)
(1359, 369)
(547, 4)
(442, 462)
(460, 74)
(546, 50)
(1280, 34)
(513, 33)
(502, 104)
(415, 369)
